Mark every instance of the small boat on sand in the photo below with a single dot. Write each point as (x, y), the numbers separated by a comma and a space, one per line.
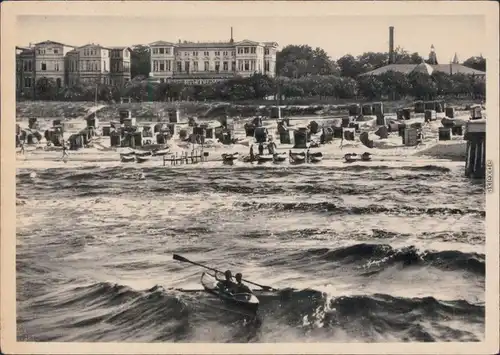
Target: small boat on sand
(230, 157)
(279, 157)
(141, 159)
(350, 157)
(366, 156)
(161, 152)
(315, 157)
(143, 153)
(297, 158)
(127, 158)
(264, 158)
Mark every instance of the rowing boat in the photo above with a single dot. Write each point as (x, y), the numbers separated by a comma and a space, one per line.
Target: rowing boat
(264, 158)
(316, 157)
(279, 157)
(297, 157)
(141, 159)
(127, 158)
(230, 156)
(244, 301)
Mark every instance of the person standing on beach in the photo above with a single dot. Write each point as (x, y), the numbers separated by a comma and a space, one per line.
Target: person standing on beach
(64, 149)
(22, 148)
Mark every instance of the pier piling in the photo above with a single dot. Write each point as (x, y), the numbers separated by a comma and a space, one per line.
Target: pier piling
(475, 134)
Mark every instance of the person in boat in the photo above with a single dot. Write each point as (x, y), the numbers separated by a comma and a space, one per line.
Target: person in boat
(227, 284)
(240, 286)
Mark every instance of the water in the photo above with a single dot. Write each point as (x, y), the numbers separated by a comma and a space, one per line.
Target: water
(383, 252)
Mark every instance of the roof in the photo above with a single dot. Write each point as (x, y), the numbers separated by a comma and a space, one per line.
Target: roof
(120, 48)
(457, 68)
(269, 44)
(205, 45)
(408, 68)
(93, 45)
(53, 42)
(161, 43)
(423, 68)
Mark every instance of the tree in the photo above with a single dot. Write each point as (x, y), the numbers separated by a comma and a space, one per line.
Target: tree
(370, 87)
(478, 63)
(295, 61)
(46, 89)
(349, 66)
(369, 61)
(140, 61)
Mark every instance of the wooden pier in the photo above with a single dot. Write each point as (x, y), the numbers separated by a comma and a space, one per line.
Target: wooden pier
(193, 157)
(475, 134)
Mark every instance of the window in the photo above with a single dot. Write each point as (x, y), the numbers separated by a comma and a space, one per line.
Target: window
(266, 51)
(252, 50)
(27, 82)
(167, 50)
(169, 65)
(233, 66)
(186, 66)
(155, 65)
(56, 51)
(234, 53)
(217, 53)
(240, 50)
(207, 66)
(162, 66)
(246, 50)
(56, 66)
(179, 67)
(217, 66)
(225, 66)
(58, 81)
(195, 54)
(206, 54)
(161, 50)
(224, 53)
(126, 54)
(104, 66)
(247, 65)
(155, 50)
(43, 66)
(195, 66)
(41, 51)
(266, 65)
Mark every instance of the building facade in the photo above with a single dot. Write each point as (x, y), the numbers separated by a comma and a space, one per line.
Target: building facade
(45, 59)
(202, 63)
(120, 61)
(69, 65)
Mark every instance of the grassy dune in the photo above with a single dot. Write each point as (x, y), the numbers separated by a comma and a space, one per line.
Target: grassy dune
(150, 110)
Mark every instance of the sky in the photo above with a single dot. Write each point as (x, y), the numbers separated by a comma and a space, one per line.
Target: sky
(336, 34)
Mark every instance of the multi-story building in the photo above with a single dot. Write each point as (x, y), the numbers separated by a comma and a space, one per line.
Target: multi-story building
(50, 61)
(202, 63)
(89, 64)
(25, 69)
(44, 59)
(120, 65)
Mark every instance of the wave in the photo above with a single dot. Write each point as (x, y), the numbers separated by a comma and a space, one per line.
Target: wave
(371, 209)
(376, 257)
(107, 312)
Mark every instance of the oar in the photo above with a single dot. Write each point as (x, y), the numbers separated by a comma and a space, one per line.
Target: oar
(183, 259)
